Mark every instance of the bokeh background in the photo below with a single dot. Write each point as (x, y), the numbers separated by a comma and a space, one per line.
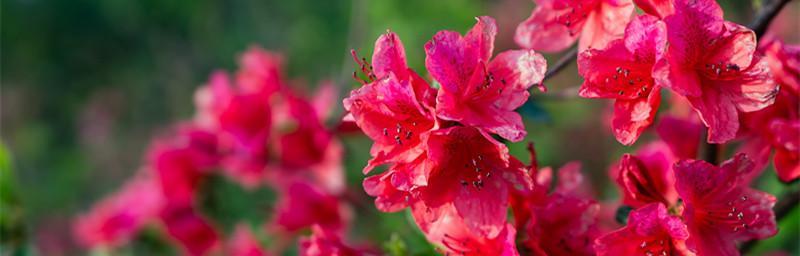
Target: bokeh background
(86, 84)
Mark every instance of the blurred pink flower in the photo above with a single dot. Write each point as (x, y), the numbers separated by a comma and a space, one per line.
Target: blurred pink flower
(650, 231)
(555, 24)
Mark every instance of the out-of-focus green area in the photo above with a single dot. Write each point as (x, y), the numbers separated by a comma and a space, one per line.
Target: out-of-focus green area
(86, 84)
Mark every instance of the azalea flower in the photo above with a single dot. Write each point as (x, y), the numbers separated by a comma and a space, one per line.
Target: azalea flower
(182, 161)
(189, 229)
(651, 230)
(302, 205)
(555, 24)
(778, 126)
(562, 221)
(477, 90)
(472, 171)
(390, 112)
(720, 207)
(113, 221)
(713, 64)
(624, 71)
(647, 177)
(445, 227)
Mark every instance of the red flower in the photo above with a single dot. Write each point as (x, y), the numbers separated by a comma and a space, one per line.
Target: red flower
(563, 222)
(477, 91)
(712, 63)
(302, 205)
(391, 112)
(113, 221)
(650, 231)
(720, 207)
(775, 127)
(658, 8)
(302, 138)
(647, 177)
(189, 229)
(181, 162)
(623, 71)
(555, 24)
(472, 171)
(444, 226)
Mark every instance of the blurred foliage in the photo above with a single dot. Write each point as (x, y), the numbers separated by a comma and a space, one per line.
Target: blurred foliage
(86, 84)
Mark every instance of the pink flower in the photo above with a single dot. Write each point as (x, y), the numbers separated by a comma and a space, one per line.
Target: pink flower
(787, 148)
(244, 243)
(472, 171)
(302, 205)
(259, 72)
(113, 221)
(623, 71)
(555, 24)
(325, 242)
(302, 137)
(189, 229)
(563, 222)
(658, 8)
(182, 161)
(444, 226)
(712, 63)
(390, 111)
(720, 207)
(477, 91)
(650, 231)
(392, 189)
(775, 127)
(647, 177)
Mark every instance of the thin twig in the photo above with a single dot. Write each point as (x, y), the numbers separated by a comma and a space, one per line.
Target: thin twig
(562, 63)
(765, 16)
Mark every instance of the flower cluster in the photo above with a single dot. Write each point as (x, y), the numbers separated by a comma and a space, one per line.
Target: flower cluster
(439, 142)
(443, 161)
(254, 130)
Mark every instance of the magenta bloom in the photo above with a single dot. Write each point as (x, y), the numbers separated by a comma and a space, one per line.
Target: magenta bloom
(650, 231)
(182, 161)
(555, 24)
(721, 209)
(563, 222)
(624, 71)
(302, 205)
(477, 90)
(647, 177)
(391, 110)
(113, 221)
(713, 64)
(775, 128)
(473, 172)
(445, 227)
(189, 229)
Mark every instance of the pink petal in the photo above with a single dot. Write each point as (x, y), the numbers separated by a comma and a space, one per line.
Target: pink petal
(543, 32)
(605, 24)
(718, 113)
(389, 56)
(632, 117)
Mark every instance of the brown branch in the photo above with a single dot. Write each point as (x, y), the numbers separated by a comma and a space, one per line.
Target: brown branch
(766, 15)
(562, 63)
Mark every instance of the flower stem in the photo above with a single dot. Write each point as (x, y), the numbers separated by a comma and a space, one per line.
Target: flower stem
(766, 15)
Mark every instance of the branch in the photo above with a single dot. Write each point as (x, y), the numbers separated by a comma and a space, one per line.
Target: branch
(562, 63)
(782, 209)
(766, 15)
